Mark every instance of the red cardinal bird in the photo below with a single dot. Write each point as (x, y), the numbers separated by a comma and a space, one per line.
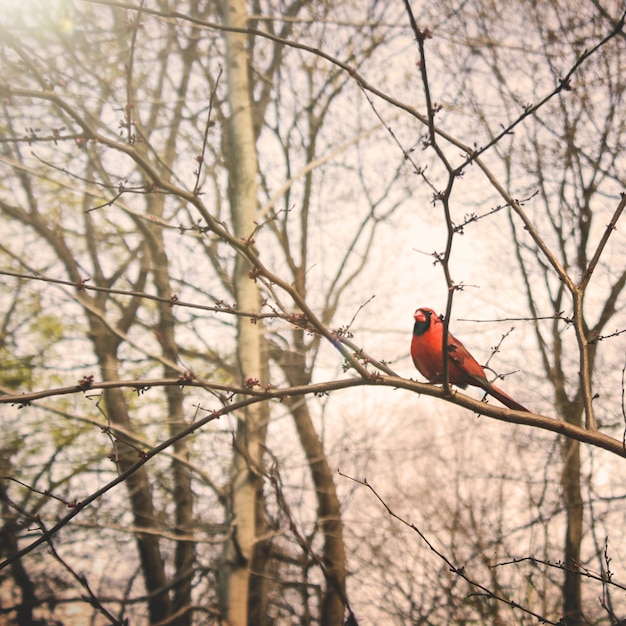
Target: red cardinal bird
(463, 369)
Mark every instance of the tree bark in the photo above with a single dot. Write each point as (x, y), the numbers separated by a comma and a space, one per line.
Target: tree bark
(328, 504)
(573, 501)
(9, 545)
(243, 592)
(137, 484)
(185, 550)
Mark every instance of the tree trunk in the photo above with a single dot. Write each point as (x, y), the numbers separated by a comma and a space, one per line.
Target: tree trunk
(328, 505)
(9, 545)
(185, 550)
(572, 498)
(328, 515)
(243, 591)
(137, 484)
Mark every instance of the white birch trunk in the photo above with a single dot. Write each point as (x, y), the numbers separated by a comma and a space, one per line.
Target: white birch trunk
(246, 481)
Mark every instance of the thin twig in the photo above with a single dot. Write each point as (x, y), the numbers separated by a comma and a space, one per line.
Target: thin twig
(455, 569)
(208, 125)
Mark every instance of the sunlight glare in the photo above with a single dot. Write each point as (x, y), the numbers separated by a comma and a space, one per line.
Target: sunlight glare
(23, 11)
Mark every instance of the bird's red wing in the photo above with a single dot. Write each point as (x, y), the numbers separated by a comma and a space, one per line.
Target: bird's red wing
(464, 368)
(475, 375)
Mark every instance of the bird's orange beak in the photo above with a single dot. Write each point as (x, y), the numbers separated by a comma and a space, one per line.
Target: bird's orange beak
(419, 316)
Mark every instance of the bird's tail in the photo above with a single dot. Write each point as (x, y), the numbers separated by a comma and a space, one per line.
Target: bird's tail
(506, 399)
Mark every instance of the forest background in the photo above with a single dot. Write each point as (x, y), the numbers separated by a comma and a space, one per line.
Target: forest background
(218, 219)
